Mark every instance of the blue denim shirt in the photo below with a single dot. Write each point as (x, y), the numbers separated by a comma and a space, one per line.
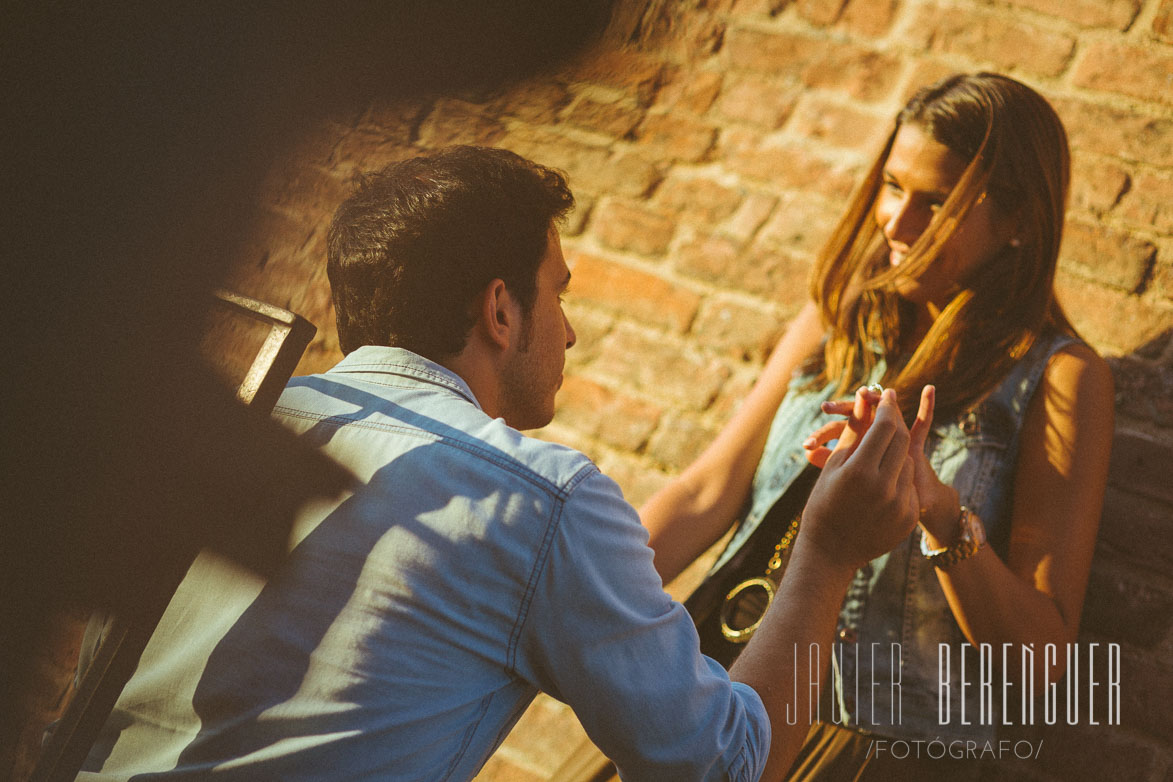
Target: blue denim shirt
(895, 616)
(418, 616)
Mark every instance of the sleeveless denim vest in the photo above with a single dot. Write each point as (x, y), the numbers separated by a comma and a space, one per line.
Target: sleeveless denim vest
(885, 672)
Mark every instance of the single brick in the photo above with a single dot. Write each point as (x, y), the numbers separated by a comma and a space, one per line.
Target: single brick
(1163, 279)
(625, 173)
(640, 75)
(1149, 202)
(1140, 464)
(741, 332)
(1126, 606)
(636, 294)
(689, 90)
(749, 217)
(368, 150)
(1097, 183)
(664, 370)
(770, 52)
(1008, 42)
(614, 418)
(1133, 135)
(801, 224)
(869, 18)
(632, 227)
(858, 71)
(695, 199)
(555, 150)
(394, 117)
(1105, 254)
(762, 270)
(756, 100)
(837, 125)
(676, 137)
(1112, 14)
(1142, 387)
(1163, 21)
(536, 101)
(707, 257)
(1112, 321)
(614, 118)
(679, 441)
(1144, 72)
(820, 13)
(759, 7)
(457, 122)
(784, 164)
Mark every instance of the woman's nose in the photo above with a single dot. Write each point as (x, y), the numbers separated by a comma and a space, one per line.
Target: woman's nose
(904, 224)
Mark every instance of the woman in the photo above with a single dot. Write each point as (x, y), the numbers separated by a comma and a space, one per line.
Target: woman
(941, 272)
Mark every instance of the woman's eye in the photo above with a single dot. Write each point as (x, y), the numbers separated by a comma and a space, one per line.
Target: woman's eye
(892, 187)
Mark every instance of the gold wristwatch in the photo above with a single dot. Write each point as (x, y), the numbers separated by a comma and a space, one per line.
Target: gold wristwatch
(970, 542)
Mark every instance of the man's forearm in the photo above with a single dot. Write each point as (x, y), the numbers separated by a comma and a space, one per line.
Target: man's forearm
(792, 649)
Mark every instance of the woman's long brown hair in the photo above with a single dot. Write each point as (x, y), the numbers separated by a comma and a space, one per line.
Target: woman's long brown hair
(1018, 157)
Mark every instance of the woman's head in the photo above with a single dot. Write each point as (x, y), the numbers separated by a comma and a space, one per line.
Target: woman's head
(1007, 155)
(958, 221)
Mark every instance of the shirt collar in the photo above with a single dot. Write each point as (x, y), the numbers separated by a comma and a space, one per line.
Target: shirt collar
(379, 359)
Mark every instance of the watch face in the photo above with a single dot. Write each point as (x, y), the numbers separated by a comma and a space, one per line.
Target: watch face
(972, 527)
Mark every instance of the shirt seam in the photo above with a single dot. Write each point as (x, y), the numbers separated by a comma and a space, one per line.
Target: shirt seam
(513, 466)
(540, 561)
(404, 370)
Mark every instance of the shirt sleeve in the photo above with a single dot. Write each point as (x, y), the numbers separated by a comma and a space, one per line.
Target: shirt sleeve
(603, 636)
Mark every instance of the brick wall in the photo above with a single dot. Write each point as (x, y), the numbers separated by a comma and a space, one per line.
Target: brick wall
(710, 158)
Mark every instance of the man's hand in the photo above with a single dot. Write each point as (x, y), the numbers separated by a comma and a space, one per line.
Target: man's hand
(939, 502)
(865, 502)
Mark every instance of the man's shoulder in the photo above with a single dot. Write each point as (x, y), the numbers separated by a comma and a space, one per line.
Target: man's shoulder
(382, 412)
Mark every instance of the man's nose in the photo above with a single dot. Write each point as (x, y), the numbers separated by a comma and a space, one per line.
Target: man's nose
(571, 337)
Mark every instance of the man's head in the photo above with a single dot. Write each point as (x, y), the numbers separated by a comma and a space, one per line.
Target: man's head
(413, 248)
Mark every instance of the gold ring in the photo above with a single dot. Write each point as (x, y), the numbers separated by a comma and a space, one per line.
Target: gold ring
(875, 388)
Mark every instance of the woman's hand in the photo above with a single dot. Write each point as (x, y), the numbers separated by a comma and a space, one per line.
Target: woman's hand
(940, 505)
(860, 412)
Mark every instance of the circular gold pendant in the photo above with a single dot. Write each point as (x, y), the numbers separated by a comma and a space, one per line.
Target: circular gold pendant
(744, 607)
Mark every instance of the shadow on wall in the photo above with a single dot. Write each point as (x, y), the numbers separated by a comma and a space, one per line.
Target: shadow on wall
(139, 134)
(1129, 601)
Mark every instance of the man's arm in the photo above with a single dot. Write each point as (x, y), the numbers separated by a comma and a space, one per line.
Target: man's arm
(603, 636)
(863, 505)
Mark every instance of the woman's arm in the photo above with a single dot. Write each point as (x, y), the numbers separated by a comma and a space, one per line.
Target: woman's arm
(1036, 595)
(692, 512)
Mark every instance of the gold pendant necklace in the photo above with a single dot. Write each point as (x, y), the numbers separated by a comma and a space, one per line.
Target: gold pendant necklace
(746, 604)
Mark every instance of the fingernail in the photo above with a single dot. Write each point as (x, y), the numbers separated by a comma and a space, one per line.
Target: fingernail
(809, 442)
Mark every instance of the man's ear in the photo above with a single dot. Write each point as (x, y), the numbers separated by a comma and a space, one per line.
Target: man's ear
(500, 315)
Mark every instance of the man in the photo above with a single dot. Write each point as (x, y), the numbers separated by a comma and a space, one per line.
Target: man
(420, 614)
